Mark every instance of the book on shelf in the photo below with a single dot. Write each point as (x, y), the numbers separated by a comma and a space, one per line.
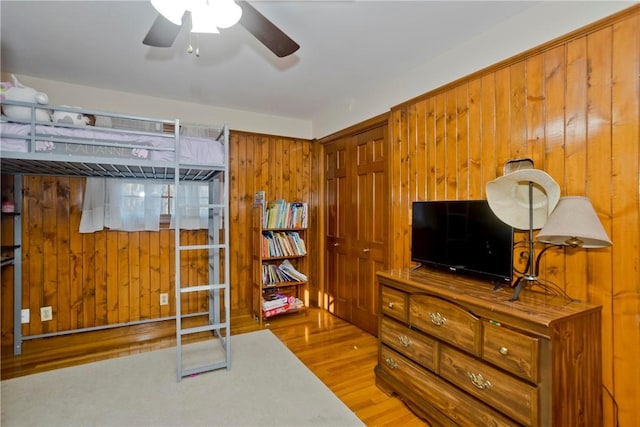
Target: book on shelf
(290, 270)
(282, 214)
(273, 274)
(275, 311)
(274, 300)
(282, 243)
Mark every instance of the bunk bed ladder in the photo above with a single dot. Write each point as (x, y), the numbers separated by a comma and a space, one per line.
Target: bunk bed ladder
(217, 287)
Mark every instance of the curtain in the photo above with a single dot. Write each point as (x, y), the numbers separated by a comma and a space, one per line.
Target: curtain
(136, 205)
(121, 205)
(93, 205)
(189, 200)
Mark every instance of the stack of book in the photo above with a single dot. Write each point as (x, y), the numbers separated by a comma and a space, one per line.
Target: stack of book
(275, 303)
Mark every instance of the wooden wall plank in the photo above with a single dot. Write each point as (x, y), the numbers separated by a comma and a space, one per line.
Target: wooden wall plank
(554, 86)
(440, 170)
(599, 264)
(518, 111)
(450, 146)
(462, 142)
(420, 147)
(155, 282)
(430, 150)
(412, 153)
(166, 261)
(503, 118)
(576, 155)
(144, 277)
(487, 140)
(62, 317)
(122, 254)
(100, 301)
(625, 200)
(113, 281)
(474, 128)
(35, 263)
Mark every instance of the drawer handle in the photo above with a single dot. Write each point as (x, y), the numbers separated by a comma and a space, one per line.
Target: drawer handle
(479, 381)
(391, 363)
(437, 319)
(504, 351)
(390, 304)
(404, 340)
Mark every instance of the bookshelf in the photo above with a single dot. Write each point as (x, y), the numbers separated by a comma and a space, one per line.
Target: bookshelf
(280, 264)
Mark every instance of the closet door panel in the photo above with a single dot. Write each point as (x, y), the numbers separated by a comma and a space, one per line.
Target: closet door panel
(337, 214)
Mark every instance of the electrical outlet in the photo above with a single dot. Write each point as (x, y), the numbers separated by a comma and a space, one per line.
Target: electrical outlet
(164, 299)
(24, 315)
(46, 313)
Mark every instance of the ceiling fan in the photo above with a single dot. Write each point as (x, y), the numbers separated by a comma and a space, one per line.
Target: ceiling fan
(163, 32)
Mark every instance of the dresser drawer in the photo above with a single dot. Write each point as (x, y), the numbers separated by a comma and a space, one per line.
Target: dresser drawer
(501, 391)
(394, 303)
(425, 387)
(511, 350)
(416, 346)
(446, 321)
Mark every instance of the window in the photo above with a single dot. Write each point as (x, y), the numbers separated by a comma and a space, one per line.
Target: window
(142, 205)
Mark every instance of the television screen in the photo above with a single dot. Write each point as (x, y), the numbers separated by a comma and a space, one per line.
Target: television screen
(463, 236)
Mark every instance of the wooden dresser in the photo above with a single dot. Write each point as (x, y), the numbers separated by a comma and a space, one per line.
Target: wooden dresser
(459, 353)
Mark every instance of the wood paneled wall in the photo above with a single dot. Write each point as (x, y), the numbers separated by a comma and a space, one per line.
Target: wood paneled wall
(110, 277)
(573, 106)
(284, 168)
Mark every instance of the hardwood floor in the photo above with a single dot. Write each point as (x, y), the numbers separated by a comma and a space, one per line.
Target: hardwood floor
(340, 354)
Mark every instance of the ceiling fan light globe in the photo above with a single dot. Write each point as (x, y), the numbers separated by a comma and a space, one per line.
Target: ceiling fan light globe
(228, 13)
(172, 10)
(202, 21)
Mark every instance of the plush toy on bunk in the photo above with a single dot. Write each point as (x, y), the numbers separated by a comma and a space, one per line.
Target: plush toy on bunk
(16, 91)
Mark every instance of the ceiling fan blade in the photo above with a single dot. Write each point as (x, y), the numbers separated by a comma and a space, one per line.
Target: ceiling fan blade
(265, 31)
(162, 33)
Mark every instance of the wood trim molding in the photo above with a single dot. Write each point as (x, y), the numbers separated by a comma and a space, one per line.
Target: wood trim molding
(363, 126)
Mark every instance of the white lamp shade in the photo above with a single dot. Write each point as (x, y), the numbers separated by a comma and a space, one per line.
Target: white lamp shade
(170, 9)
(574, 222)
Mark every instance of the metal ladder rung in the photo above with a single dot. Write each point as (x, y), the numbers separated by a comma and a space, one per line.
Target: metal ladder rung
(195, 247)
(207, 368)
(198, 288)
(204, 328)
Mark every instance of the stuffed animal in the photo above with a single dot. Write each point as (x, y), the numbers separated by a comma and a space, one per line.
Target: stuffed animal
(16, 91)
(69, 117)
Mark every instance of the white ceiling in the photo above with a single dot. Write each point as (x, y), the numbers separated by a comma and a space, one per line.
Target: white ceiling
(347, 48)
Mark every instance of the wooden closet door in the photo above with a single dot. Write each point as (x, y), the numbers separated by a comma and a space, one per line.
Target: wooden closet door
(357, 204)
(368, 241)
(337, 299)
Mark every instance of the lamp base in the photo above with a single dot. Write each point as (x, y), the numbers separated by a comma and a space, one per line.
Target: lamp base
(519, 284)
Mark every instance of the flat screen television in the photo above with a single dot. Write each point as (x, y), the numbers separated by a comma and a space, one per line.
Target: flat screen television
(462, 236)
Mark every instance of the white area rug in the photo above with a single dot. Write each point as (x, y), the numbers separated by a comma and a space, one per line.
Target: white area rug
(267, 385)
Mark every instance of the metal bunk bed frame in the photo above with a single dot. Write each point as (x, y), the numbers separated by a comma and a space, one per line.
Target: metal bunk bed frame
(217, 177)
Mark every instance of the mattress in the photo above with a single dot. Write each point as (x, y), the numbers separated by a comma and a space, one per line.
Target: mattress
(88, 142)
